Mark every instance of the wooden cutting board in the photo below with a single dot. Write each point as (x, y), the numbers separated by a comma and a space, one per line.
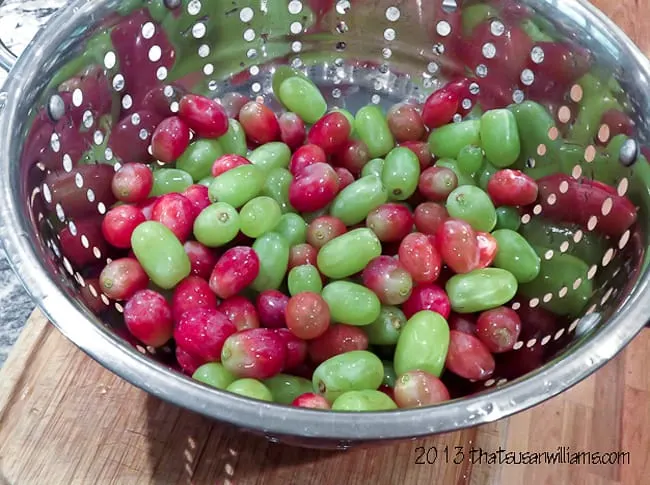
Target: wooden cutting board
(66, 420)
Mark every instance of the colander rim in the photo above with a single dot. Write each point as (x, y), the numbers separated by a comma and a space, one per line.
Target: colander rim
(73, 321)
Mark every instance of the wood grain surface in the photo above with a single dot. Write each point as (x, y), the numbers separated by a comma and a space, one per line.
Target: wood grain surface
(65, 420)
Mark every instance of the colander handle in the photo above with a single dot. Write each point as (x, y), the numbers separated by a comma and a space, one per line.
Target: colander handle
(7, 58)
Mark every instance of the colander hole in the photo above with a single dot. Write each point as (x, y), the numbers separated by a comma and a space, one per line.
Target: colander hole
(527, 77)
(256, 87)
(98, 137)
(531, 343)
(576, 93)
(174, 107)
(77, 97)
(72, 228)
(591, 223)
(84, 241)
(295, 7)
(547, 297)
(604, 133)
(67, 266)
(589, 311)
(342, 7)
(564, 187)
(541, 149)
(489, 383)
(537, 54)
(249, 35)
(518, 345)
(204, 50)
(135, 119)
(489, 50)
(564, 114)
(80, 279)
(92, 290)
(516, 305)
(155, 53)
(67, 163)
(118, 82)
(502, 381)
(533, 302)
(525, 219)
(577, 237)
(127, 101)
(47, 195)
(607, 258)
(576, 172)
(376, 99)
(110, 59)
(389, 34)
(296, 28)
(88, 119)
(438, 49)
(622, 187)
(208, 69)
(148, 30)
(553, 133)
(336, 93)
(297, 46)
(161, 73)
(558, 334)
(119, 308)
(497, 28)
(624, 239)
(548, 254)
(606, 296)
(198, 30)
(563, 292)
(59, 212)
(141, 349)
(55, 144)
(564, 247)
(443, 28)
(433, 67)
(590, 153)
(607, 206)
(577, 283)
(97, 253)
(105, 299)
(592, 272)
(481, 70)
(537, 210)
(545, 340)
(393, 14)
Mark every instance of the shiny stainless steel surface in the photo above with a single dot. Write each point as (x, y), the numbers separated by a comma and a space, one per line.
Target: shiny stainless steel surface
(55, 286)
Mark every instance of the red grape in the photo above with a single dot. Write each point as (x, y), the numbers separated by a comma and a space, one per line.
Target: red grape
(302, 254)
(170, 140)
(258, 353)
(421, 149)
(292, 130)
(338, 339)
(307, 315)
(149, 318)
(420, 258)
(427, 297)
(205, 116)
(345, 177)
(296, 349)
(498, 329)
(228, 162)
(512, 187)
(312, 401)
(197, 194)
(202, 259)
(388, 279)
(436, 183)
(323, 229)
(462, 322)
(390, 222)
(193, 292)
(417, 388)
(353, 155)
(132, 182)
(233, 103)
(304, 156)
(313, 188)
(458, 245)
(440, 107)
(119, 223)
(405, 122)
(123, 278)
(429, 216)
(488, 247)
(175, 212)
(241, 312)
(235, 270)
(272, 308)
(330, 132)
(202, 332)
(259, 123)
(468, 357)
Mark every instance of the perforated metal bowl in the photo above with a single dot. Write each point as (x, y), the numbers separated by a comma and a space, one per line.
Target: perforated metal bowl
(57, 158)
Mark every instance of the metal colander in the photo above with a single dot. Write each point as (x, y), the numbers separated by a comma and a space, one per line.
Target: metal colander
(71, 114)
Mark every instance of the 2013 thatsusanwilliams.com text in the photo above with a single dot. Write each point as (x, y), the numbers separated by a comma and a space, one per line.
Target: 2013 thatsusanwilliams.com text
(563, 455)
